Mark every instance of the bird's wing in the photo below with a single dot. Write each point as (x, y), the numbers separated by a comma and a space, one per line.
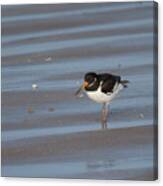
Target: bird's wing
(109, 81)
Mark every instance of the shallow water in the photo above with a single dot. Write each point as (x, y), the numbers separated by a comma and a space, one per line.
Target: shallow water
(54, 46)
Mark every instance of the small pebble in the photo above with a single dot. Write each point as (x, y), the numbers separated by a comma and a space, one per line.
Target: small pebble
(30, 110)
(34, 86)
(141, 115)
(50, 109)
(48, 59)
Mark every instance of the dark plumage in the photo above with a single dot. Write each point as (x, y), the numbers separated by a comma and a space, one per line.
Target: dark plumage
(109, 82)
(106, 80)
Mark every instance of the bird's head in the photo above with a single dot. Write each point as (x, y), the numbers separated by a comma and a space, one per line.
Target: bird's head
(89, 80)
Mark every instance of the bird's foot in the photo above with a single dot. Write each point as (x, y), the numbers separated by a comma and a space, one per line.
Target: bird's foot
(104, 124)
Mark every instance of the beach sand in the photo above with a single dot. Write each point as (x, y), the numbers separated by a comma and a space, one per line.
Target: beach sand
(46, 130)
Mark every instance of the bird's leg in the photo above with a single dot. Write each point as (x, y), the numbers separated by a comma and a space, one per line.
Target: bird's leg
(104, 116)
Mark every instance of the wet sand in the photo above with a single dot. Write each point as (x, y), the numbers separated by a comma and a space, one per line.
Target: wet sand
(48, 132)
(101, 152)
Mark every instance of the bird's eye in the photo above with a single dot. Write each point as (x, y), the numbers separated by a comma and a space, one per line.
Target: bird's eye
(94, 79)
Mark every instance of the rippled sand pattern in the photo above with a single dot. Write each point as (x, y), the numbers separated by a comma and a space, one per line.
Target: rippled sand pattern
(47, 131)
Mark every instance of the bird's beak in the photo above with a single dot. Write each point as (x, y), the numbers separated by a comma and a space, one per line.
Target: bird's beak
(82, 87)
(85, 84)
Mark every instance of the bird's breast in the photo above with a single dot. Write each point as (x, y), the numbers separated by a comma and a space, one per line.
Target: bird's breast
(100, 97)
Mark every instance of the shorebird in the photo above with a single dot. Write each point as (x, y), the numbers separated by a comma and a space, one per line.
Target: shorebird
(102, 88)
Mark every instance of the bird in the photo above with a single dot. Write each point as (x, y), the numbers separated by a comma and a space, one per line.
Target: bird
(102, 88)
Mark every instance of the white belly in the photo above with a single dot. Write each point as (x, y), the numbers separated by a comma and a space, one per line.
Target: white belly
(100, 97)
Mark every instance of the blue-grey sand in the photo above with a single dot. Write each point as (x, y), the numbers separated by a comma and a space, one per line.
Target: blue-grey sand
(49, 132)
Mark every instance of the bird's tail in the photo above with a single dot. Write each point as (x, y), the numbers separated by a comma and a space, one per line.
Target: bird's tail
(124, 83)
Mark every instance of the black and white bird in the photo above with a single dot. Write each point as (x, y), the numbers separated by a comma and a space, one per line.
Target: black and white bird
(102, 88)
